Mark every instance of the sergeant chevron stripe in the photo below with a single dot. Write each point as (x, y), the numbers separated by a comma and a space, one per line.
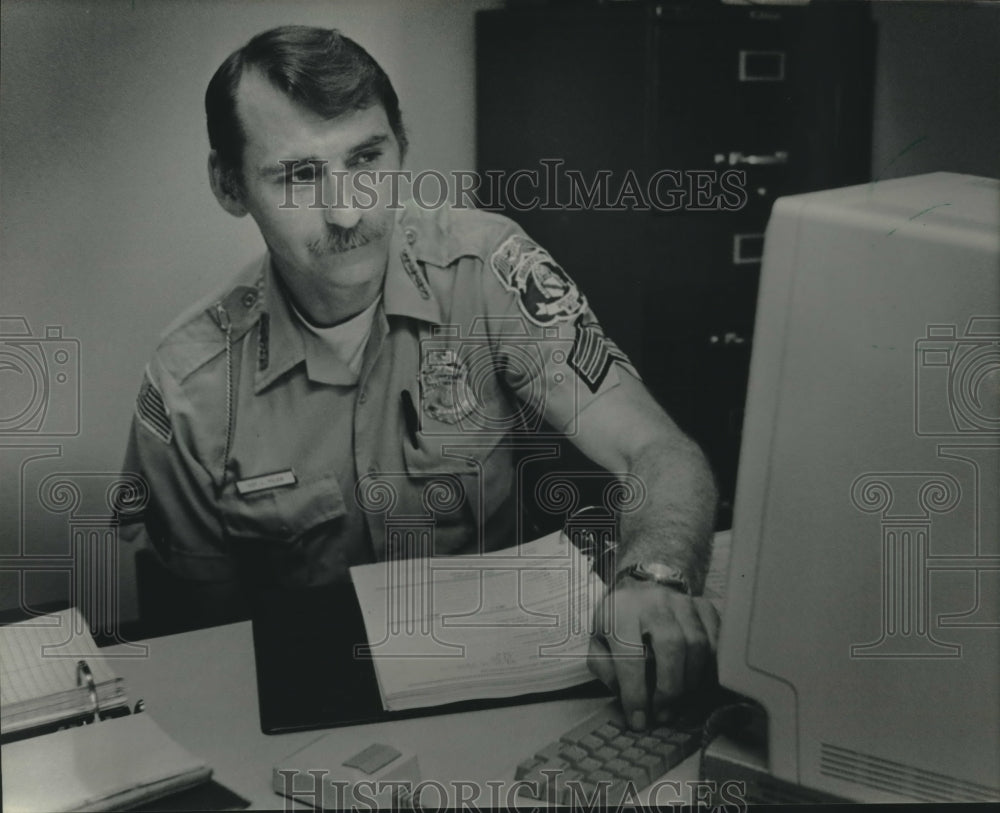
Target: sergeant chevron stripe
(151, 410)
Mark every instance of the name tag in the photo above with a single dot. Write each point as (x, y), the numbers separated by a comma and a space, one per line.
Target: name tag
(265, 481)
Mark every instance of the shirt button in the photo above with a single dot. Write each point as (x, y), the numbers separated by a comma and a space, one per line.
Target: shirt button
(363, 396)
(249, 299)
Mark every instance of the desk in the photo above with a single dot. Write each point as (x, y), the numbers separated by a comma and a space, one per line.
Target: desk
(201, 687)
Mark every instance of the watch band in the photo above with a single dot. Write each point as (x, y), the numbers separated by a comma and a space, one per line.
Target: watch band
(667, 575)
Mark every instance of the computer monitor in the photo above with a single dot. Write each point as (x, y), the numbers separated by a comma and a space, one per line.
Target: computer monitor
(863, 605)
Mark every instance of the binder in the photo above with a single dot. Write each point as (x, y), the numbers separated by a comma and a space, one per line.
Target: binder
(68, 738)
(111, 765)
(52, 675)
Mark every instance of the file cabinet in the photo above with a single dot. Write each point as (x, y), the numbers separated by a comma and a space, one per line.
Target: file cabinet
(781, 94)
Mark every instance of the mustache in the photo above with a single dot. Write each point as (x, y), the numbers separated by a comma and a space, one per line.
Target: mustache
(338, 240)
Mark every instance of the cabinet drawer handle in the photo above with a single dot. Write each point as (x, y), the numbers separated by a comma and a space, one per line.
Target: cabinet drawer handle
(748, 248)
(727, 339)
(736, 158)
(762, 66)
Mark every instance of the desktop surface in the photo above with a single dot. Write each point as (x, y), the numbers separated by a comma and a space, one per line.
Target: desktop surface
(201, 687)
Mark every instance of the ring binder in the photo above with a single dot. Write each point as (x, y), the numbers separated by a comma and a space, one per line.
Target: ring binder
(44, 691)
(83, 674)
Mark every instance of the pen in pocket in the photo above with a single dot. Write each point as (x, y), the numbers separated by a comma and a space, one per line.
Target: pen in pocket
(410, 417)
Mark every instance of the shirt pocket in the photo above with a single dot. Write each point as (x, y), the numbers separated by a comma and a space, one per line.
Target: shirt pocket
(284, 513)
(483, 466)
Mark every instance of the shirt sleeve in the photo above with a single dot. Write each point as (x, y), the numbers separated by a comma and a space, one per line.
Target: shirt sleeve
(180, 521)
(551, 348)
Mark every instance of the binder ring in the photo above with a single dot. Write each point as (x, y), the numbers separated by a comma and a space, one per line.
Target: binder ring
(83, 674)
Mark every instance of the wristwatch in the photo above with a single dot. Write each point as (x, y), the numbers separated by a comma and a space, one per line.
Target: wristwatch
(667, 575)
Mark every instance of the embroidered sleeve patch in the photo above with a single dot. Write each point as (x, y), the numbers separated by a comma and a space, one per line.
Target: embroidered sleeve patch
(593, 354)
(544, 291)
(151, 410)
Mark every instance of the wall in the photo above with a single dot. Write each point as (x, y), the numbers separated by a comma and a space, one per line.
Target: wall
(936, 89)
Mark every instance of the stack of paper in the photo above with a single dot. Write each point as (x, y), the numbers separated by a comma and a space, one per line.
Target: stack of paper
(39, 674)
(112, 765)
(446, 629)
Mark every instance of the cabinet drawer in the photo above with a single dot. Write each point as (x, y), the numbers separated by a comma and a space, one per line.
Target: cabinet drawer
(705, 253)
(772, 157)
(738, 69)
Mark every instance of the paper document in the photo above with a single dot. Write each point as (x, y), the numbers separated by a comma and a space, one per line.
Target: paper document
(38, 671)
(446, 629)
(111, 765)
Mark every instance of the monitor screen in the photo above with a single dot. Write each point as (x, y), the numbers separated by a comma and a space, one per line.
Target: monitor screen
(863, 608)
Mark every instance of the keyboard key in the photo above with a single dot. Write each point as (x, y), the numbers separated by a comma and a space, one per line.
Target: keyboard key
(632, 754)
(526, 766)
(681, 738)
(557, 785)
(539, 781)
(621, 742)
(638, 776)
(579, 794)
(601, 756)
(671, 752)
(550, 751)
(603, 775)
(554, 764)
(655, 764)
(583, 729)
(573, 753)
(571, 776)
(688, 743)
(608, 731)
(610, 786)
(616, 766)
(648, 743)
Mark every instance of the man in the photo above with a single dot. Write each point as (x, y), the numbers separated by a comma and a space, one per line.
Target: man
(368, 350)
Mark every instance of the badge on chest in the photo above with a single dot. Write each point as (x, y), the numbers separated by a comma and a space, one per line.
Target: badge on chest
(445, 393)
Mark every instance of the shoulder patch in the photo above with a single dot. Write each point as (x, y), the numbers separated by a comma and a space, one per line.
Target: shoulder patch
(151, 411)
(593, 354)
(545, 292)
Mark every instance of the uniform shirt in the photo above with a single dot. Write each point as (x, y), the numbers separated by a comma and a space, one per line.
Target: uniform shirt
(348, 339)
(266, 458)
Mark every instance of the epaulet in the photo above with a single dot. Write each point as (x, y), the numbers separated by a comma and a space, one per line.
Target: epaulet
(198, 335)
(440, 236)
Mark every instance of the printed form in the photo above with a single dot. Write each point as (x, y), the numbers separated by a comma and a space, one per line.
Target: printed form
(510, 622)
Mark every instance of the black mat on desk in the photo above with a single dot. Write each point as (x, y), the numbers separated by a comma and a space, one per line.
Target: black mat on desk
(206, 796)
(309, 677)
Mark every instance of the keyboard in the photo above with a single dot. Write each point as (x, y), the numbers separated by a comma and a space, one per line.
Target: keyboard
(601, 758)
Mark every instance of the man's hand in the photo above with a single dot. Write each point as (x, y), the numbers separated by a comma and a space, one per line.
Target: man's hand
(681, 633)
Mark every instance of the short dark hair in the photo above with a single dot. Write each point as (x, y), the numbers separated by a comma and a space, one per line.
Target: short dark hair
(323, 70)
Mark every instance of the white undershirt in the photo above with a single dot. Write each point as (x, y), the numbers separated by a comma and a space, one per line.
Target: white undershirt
(348, 339)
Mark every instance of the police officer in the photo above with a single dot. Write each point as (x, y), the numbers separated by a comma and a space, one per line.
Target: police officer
(374, 360)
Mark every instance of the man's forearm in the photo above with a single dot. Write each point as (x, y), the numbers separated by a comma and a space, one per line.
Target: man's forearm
(675, 524)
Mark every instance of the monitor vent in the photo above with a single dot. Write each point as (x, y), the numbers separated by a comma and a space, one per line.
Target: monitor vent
(898, 778)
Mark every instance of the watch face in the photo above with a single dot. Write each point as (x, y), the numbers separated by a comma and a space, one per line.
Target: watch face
(661, 574)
